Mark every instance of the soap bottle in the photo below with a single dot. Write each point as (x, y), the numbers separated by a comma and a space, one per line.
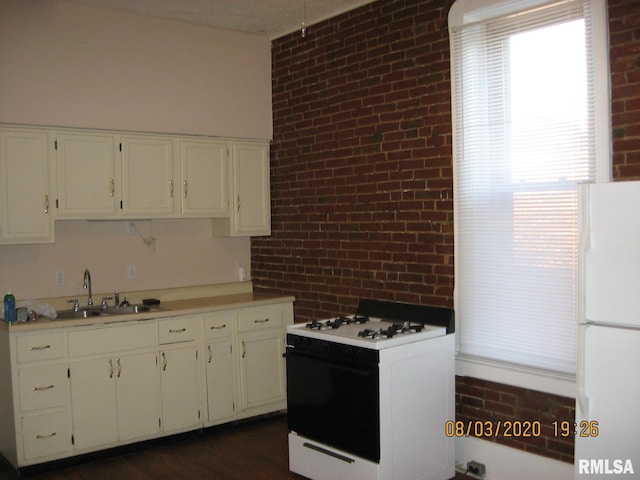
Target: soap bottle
(9, 308)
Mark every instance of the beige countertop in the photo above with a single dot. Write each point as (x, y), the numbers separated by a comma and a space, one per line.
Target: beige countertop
(170, 308)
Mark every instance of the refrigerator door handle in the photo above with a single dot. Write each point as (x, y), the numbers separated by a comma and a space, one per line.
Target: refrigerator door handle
(583, 404)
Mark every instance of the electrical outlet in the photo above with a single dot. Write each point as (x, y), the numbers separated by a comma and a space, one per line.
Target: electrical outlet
(131, 272)
(476, 468)
(59, 278)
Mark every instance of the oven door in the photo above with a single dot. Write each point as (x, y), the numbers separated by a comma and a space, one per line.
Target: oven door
(334, 399)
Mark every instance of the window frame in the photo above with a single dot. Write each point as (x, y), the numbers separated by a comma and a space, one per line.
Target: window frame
(464, 12)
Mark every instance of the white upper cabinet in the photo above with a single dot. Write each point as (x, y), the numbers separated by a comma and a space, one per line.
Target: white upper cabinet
(88, 177)
(250, 191)
(51, 174)
(25, 187)
(148, 177)
(251, 188)
(204, 178)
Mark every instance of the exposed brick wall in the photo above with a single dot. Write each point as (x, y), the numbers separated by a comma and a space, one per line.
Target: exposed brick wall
(624, 31)
(479, 401)
(362, 179)
(361, 162)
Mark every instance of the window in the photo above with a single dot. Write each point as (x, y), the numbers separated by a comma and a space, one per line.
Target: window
(530, 85)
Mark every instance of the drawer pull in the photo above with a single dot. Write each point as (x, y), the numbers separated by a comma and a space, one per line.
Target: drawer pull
(219, 327)
(180, 330)
(40, 389)
(40, 347)
(43, 437)
(261, 321)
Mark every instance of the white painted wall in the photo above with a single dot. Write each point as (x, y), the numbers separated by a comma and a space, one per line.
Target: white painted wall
(504, 463)
(185, 254)
(67, 64)
(70, 65)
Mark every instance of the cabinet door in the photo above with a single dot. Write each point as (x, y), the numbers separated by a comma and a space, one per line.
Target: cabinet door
(138, 395)
(204, 178)
(148, 177)
(180, 388)
(87, 180)
(251, 187)
(262, 368)
(24, 187)
(220, 388)
(93, 403)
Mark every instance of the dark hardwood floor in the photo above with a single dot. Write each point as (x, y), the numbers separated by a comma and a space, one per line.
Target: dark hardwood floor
(255, 450)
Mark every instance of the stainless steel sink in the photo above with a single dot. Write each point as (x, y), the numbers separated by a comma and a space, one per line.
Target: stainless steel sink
(127, 309)
(68, 314)
(98, 311)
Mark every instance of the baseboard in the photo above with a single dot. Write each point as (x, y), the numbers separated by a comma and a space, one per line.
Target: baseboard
(504, 463)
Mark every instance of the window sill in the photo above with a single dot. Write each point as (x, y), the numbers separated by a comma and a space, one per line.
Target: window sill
(523, 377)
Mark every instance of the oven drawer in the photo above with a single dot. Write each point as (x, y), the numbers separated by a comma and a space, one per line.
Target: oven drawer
(314, 460)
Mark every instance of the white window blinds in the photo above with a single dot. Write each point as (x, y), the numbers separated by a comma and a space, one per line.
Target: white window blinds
(523, 84)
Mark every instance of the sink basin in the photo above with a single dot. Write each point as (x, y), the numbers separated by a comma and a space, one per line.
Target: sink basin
(127, 309)
(97, 311)
(67, 314)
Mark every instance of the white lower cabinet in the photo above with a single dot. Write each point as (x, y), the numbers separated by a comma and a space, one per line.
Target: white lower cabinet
(114, 399)
(220, 367)
(180, 389)
(73, 390)
(46, 436)
(261, 337)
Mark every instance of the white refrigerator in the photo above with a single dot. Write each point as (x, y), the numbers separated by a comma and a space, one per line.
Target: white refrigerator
(607, 429)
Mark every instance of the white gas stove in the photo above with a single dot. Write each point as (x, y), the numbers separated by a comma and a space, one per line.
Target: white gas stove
(368, 395)
(367, 332)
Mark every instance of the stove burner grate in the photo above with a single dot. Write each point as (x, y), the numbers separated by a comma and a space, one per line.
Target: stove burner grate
(337, 322)
(389, 332)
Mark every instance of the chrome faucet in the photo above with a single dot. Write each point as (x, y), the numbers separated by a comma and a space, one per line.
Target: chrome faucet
(86, 285)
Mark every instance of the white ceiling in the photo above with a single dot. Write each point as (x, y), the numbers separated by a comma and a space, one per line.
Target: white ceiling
(273, 18)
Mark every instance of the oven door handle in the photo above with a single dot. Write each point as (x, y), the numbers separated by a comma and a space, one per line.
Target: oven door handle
(328, 452)
(365, 371)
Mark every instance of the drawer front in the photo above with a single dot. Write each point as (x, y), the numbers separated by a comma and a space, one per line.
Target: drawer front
(258, 318)
(180, 329)
(112, 339)
(218, 325)
(46, 435)
(43, 387)
(34, 348)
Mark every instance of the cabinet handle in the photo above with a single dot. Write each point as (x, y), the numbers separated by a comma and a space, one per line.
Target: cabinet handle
(40, 389)
(237, 203)
(113, 187)
(164, 362)
(210, 353)
(261, 321)
(46, 203)
(244, 349)
(180, 330)
(119, 367)
(219, 327)
(110, 368)
(43, 437)
(40, 347)
(171, 188)
(186, 190)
